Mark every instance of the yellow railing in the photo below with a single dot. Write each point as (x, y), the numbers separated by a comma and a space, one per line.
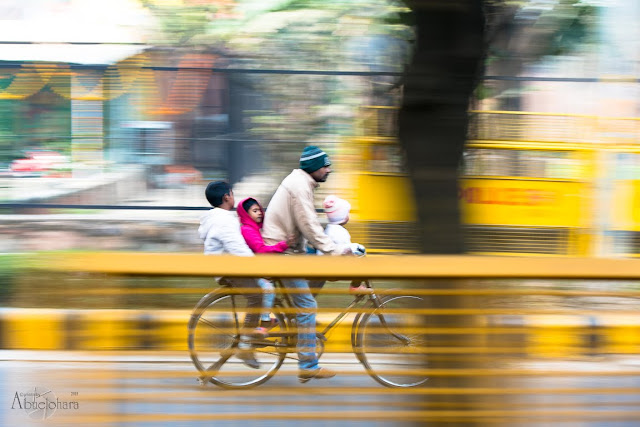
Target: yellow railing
(375, 267)
(553, 127)
(526, 126)
(523, 328)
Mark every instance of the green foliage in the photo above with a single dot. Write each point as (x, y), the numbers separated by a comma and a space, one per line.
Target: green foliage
(575, 25)
(482, 91)
(41, 121)
(557, 30)
(8, 268)
(8, 139)
(524, 32)
(179, 25)
(301, 35)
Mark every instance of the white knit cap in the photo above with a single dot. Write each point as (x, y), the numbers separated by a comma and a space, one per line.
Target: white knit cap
(337, 209)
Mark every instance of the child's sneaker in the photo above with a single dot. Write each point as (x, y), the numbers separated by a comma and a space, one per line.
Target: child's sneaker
(248, 358)
(245, 353)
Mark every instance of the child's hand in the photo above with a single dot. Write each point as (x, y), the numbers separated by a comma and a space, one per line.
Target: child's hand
(291, 240)
(358, 249)
(357, 287)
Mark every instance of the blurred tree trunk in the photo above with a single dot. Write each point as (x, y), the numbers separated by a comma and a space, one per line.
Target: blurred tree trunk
(433, 120)
(445, 69)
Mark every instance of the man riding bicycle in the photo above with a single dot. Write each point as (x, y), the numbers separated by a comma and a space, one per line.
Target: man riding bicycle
(291, 211)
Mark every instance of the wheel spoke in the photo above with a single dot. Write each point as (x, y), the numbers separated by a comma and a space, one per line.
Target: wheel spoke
(216, 366)
(218, 328)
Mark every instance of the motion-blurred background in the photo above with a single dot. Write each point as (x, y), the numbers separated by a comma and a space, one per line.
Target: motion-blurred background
(481, 127)
(143, 102)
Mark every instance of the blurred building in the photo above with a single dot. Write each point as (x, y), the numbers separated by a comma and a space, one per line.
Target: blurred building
(78, 77)
(558, 175)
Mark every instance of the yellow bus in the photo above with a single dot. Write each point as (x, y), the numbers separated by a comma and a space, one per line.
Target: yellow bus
(530, 184)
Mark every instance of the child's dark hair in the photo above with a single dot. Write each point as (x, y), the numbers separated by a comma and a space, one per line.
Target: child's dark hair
(215, 192)
(246, 205)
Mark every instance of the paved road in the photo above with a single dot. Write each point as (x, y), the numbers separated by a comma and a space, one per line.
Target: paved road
(161, 390)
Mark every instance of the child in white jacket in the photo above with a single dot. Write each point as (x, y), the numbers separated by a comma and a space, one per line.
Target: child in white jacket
(220, 231)
(337, 211)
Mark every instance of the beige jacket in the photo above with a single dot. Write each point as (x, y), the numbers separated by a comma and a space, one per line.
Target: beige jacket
(291, 212)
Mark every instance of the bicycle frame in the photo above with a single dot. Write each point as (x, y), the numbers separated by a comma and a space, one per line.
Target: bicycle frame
(284, 296)
(373, 298)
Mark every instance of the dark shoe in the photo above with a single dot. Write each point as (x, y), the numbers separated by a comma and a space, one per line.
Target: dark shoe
(248, 359)
(269, 324)
(305, 375)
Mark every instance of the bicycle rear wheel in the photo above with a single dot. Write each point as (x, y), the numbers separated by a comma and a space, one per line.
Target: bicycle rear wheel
(214, 334)
(390, 344)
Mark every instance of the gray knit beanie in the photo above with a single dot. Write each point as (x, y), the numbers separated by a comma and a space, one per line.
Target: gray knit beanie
(313, 158)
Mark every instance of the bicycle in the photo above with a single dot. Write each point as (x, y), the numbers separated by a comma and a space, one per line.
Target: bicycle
(385, 339)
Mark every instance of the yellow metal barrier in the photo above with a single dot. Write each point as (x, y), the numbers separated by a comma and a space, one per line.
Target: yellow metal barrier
(374, 266)
(508, 363)
(545, 331)
(555, 336)
(117, 330)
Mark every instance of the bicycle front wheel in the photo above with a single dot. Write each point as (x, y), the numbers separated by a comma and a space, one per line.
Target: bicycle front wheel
(214, 334)
(390, 344)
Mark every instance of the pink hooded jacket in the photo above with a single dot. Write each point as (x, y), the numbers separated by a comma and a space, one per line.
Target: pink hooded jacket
(251, 232)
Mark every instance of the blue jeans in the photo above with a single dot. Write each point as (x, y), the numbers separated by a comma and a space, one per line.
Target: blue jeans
(306, 320)
(267, 298)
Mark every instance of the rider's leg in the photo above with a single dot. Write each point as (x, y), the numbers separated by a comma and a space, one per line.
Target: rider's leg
(251, 319)
(306, 322)
(254, 300)
(306, 319)
(268, 297)
(315, 286)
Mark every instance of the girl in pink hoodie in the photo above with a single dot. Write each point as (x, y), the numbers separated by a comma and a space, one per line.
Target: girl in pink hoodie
(251, 216)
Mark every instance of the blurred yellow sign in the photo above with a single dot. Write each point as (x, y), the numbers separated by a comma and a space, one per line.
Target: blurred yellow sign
(384, 197)
(625, 205)
(523, 202)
